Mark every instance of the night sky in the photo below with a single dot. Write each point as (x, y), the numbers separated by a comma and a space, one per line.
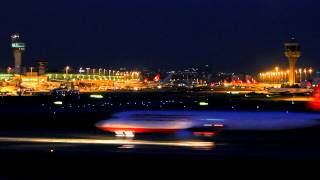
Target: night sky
(230, 35)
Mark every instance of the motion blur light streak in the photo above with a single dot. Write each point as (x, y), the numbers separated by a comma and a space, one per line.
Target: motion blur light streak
(218, 125)
(156, 121)
(124, 133)
(109, 142)
(207, 134)
(126, 146)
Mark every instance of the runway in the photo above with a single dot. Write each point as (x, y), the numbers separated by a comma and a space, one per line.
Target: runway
(248, 130)
(300, 144)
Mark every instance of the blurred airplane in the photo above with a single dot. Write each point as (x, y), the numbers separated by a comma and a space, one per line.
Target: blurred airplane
(205, 123)
(132, 122)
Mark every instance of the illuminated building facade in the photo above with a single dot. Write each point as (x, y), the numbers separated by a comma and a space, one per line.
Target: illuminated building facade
(42, 67)
(98, 79)
(93, 80)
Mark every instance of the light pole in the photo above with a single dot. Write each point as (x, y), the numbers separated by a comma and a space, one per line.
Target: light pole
(67, 72)
(31, 71)
(310, 72)
(80, 70)
(300, 71)
(100, 71)
(88, 71)
(9, 70)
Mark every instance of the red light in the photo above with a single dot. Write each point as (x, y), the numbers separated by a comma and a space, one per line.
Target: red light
(139, 130)
(157, 78)
(208, 134)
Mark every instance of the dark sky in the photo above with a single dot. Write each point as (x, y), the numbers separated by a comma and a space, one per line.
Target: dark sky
(230, 35)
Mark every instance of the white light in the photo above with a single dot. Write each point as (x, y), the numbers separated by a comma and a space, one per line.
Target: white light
(58, 102)
(119, 134)
(218, 125)
(81, 70)
(200, 144)
(96, 96)
(124, 134)
(127, 146)
(129, 133)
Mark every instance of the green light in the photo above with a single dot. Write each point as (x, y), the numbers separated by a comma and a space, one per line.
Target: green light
(203, 104)
(18, 45)
(6, 76)
(96, 96)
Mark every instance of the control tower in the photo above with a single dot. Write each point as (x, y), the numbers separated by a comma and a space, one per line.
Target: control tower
(18, 48)
(293, 53)
(42, 67)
